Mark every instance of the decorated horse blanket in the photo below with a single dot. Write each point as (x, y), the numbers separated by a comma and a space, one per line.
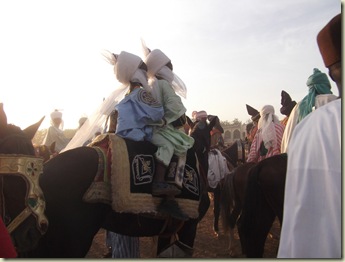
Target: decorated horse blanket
(125, 174)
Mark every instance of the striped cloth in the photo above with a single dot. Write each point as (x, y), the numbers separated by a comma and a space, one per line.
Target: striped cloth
(123, 246)
(254, 155)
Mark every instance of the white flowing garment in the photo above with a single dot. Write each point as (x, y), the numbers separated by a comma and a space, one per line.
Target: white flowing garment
(217, 168)
(312, 222)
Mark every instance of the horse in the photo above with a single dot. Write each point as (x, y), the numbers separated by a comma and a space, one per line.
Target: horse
(21, 202)
(232, 201)
(74, 222)
(235, 155)
(264, 202)
(253, 193)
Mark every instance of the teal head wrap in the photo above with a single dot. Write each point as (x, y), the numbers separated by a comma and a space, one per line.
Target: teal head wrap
(318, 84)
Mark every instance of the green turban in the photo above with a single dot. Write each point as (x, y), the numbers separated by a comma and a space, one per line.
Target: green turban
(318, 84)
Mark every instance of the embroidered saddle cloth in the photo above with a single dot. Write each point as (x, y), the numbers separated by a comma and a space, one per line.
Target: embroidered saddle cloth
(125, 175)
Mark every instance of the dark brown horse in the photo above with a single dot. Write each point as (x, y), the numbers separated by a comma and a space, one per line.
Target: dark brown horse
(73, 223)
(263, 203)
(21, 202)
(232, 201)
(235, 155)
(253, 196)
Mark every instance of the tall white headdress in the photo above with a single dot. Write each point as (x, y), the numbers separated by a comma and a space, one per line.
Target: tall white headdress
(266, 123)
(156, 62)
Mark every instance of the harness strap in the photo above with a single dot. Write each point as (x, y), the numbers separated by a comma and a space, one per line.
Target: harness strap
(19, 219)
(240, 151)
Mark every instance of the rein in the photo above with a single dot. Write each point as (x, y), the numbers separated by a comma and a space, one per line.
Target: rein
(240, 152)
(30, 168)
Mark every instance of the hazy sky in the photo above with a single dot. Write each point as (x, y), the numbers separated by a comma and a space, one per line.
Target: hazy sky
(229, 53)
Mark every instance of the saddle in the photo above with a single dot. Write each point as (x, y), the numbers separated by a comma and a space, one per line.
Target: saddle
(125, 174)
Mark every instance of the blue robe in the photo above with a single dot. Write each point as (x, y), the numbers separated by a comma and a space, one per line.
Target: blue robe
(137, 111)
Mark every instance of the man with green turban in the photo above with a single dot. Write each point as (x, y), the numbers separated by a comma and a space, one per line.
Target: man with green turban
(319, 94)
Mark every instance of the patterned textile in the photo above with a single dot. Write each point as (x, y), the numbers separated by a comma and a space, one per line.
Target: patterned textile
(254, 154)
(132, 168)
(123, 246)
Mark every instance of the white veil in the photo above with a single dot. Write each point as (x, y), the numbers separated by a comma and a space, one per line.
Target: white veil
(97, 120)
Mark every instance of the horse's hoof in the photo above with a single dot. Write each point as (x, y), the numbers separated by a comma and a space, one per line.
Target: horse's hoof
(107, 254)
(232, 253)
(216, 233)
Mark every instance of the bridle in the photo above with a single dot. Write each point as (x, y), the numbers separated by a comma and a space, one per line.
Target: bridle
(240, 153)
(30, 168)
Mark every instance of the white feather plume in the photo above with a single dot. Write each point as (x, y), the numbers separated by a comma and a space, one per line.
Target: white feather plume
(109, 57)
(146, 50)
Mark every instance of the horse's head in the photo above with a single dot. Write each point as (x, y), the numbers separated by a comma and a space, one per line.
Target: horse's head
(235, 153)
(13, 140)
(21, 202)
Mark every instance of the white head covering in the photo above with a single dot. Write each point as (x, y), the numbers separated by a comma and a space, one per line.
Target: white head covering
(55, 114)
(201, 115)
(266, 124)
(156, 62)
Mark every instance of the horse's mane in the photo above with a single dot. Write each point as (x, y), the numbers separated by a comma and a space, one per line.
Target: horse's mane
(12, 129)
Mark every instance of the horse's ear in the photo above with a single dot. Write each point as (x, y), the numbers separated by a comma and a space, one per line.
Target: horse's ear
(3, 117)
(30, 131)
(52, 147)
(190, 122)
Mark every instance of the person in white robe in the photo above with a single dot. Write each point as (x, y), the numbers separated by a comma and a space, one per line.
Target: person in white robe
(55, 132)
(312, 219)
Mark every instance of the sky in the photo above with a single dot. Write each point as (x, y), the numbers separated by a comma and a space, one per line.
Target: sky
(228, 53)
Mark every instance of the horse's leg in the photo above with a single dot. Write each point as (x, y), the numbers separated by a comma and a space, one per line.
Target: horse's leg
(232, 242)
(216, 209)
(256, 237)
(186, 235)
(188, 232)
(233, 218)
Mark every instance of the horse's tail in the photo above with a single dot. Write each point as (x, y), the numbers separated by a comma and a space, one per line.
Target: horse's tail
(252, 201)
(227, 201)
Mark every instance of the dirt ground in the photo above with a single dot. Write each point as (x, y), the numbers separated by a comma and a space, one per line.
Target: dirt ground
(206, 244)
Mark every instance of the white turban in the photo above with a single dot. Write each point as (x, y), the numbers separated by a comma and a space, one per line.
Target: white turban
(155, 61)
(55, 114)
(266, 124)
(126, 69)
(200, 115)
